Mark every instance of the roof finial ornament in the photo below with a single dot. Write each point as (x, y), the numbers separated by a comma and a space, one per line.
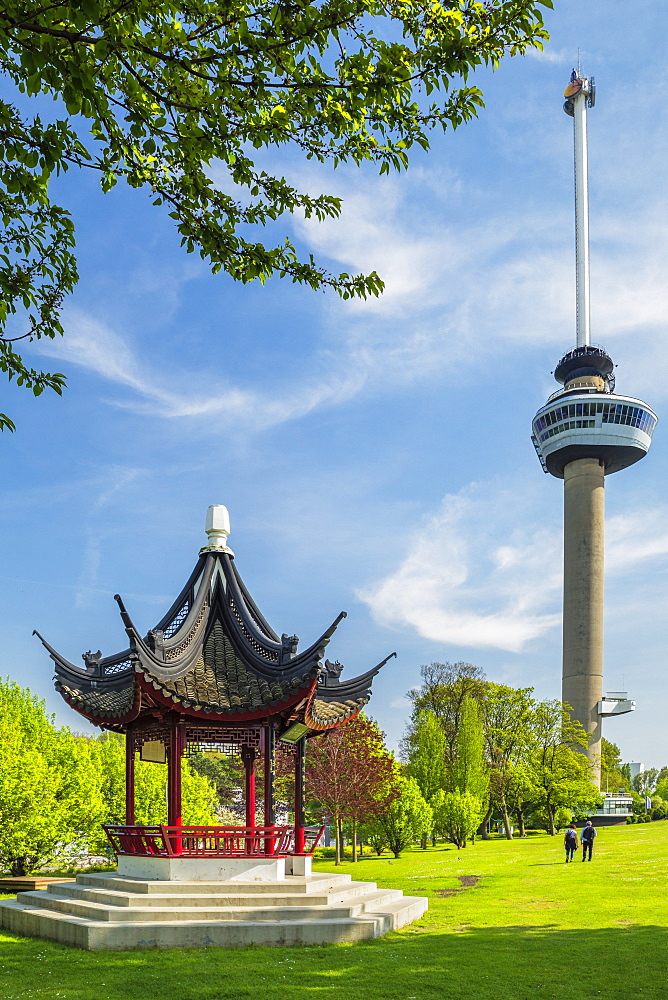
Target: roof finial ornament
(217, 527)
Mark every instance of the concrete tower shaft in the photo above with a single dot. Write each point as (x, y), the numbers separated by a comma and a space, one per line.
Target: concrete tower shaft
(582, 677)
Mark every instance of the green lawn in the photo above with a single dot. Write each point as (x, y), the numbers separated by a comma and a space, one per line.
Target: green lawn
(531, 927)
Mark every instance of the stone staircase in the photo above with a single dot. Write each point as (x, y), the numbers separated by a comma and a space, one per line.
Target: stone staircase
(112, 912)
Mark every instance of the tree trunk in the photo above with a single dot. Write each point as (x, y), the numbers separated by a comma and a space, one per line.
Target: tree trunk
(354, 840)
(506, 819)
(520, 821)
(550, 818)
(483, 829)
(433, 840)
(423, 842)
(339, 837)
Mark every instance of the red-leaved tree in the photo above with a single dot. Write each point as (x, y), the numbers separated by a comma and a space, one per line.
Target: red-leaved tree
(351, 775)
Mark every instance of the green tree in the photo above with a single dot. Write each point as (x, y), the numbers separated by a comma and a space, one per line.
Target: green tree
(522, 794)
(406, 818)
(458, 812)
(424, 749)
(612, 777)
(444, 688)
(469, 773)
(50, 792)
(561, 770)
(645, 782)
(177, 98)
(457, 815)
(374, 835)
(509, 718)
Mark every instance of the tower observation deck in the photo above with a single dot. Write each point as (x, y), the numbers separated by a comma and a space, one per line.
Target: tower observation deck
(584, 432)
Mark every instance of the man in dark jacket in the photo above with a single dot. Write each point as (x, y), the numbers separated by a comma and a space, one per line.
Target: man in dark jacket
(587, 839)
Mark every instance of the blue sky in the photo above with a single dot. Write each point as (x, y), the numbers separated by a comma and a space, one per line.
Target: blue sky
(374, 457)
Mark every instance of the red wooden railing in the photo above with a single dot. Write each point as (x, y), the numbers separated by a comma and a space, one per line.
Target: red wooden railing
(211, 841)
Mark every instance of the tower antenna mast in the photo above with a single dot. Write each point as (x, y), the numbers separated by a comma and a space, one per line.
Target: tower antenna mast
(581, 95)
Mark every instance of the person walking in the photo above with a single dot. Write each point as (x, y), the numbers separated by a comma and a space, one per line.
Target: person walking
(587, 838)
(571, 842)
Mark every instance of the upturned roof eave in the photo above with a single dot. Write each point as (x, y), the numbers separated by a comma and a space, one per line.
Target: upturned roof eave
(356, 687)
(101, 718)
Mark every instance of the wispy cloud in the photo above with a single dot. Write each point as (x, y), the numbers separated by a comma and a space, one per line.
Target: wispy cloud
(94, 346)
(635, 538)
(449, 275)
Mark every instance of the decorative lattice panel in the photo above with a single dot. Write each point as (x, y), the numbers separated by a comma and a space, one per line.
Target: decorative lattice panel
(177, 621)
(117, 668)
(176, 651)
(226, 741)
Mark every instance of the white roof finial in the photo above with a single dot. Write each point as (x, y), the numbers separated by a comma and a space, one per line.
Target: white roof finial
(217, 528)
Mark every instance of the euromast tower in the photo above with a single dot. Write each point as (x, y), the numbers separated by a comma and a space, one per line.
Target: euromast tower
(584, 432)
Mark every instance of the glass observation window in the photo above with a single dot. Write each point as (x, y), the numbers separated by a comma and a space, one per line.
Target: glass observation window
(560, 419)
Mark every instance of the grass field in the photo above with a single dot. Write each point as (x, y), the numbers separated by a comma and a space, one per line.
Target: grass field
(529, 927)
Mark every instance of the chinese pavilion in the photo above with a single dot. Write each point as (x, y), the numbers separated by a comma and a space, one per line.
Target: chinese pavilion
(213, 675)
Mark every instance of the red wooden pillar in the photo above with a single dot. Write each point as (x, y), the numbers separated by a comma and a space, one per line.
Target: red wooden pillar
(130, 777)
(177, 745)
(299, 796)
(248, 757)
(269, 750)
(269, 775)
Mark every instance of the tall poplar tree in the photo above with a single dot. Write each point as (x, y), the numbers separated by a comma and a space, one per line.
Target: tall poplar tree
(459, 810)
(424, 748)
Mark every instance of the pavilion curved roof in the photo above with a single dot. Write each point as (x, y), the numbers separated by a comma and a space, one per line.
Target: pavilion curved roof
(212, 657)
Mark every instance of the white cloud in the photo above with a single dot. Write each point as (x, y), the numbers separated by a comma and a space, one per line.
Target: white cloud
(459, 586)
(636, 538)
(562, 57)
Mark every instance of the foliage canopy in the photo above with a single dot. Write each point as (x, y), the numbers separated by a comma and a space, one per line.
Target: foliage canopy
(57, 788)
(178, 96)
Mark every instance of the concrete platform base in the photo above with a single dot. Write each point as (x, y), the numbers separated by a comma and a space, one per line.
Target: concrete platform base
(202, 869)
(113, 912)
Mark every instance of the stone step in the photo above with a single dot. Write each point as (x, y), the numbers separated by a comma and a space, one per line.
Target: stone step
(20, 918)
(291, 884)
(226, 897)
(371, 901)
